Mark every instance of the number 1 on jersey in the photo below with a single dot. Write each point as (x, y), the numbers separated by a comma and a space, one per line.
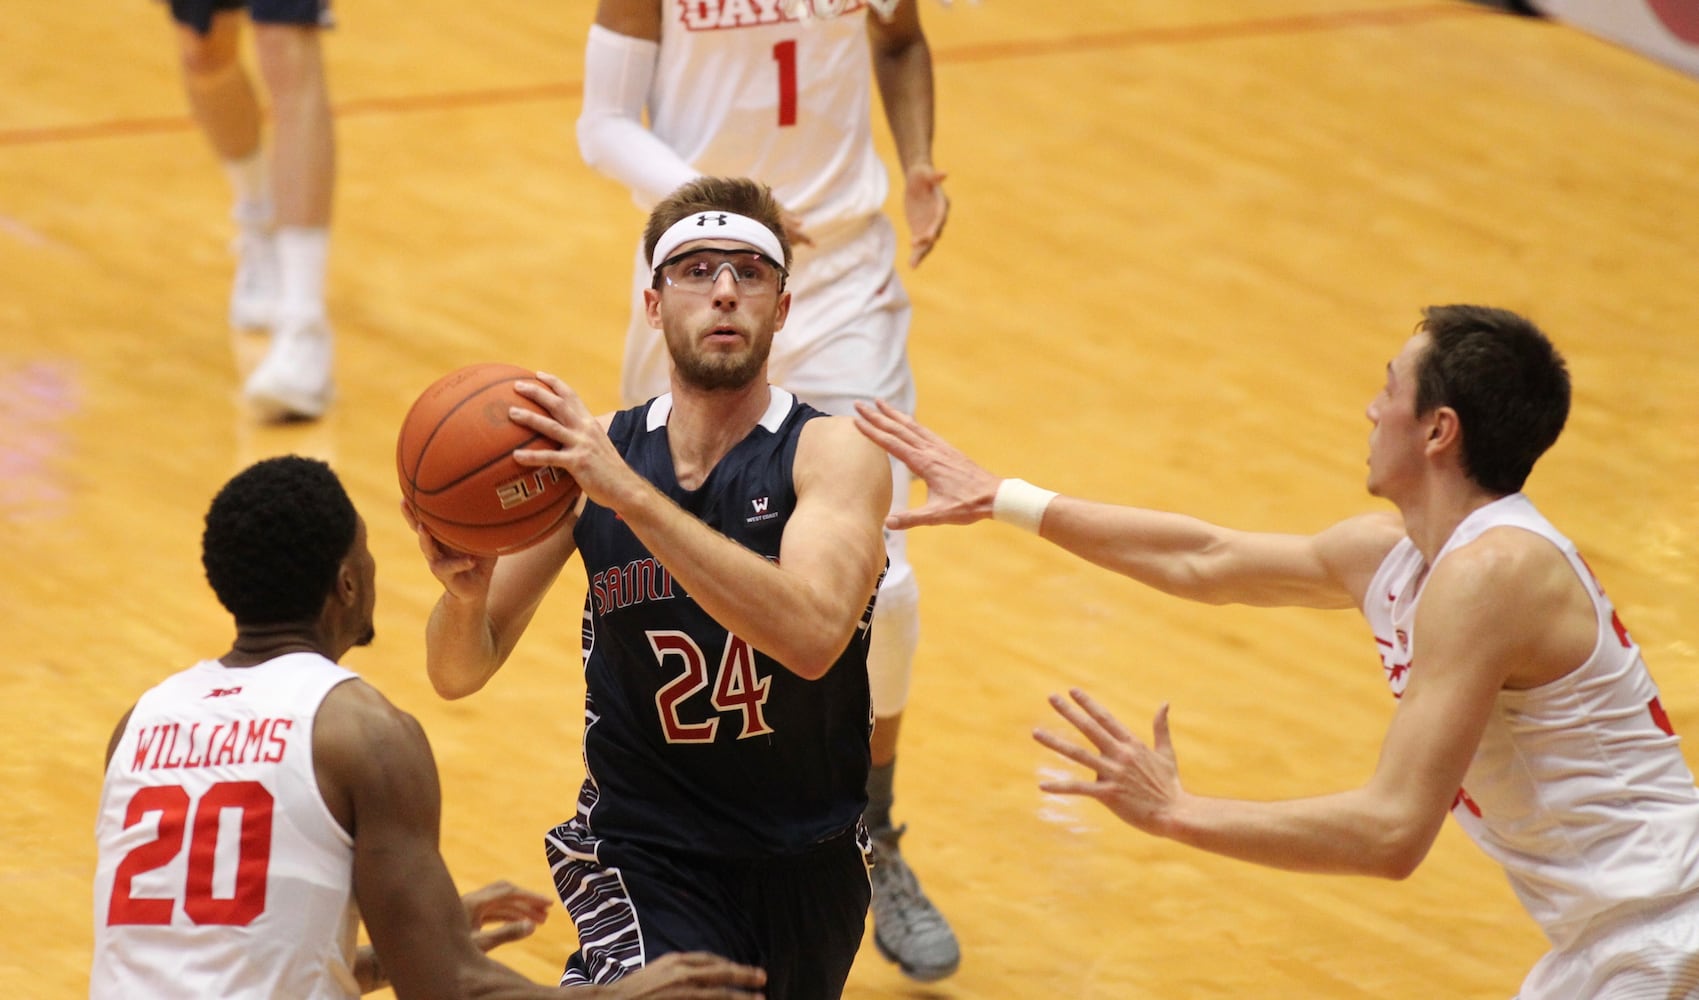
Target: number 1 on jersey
(784, 53)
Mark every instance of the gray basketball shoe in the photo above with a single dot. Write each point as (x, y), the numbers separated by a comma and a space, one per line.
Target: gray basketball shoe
(907, 928)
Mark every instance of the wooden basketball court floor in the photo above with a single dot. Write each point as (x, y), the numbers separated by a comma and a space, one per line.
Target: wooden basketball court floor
(1186, 238)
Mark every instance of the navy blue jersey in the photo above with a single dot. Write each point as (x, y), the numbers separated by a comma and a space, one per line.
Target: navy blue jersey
(694, 740)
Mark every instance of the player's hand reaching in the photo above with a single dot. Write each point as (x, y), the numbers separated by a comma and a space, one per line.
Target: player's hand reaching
(516, 913)
(794, 232)
(465, 576)
(927, 208)
(1139, 783)
(958, 491)
(688, 976)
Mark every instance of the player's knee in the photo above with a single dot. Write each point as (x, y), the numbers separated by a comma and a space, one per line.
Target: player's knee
(890, 656)
(289, 57)
(212, 54)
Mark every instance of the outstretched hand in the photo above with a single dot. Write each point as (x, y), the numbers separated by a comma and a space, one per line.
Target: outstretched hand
(515, 911)
(927, 209)
(688, 976)
(1139, 783)
(958, 491)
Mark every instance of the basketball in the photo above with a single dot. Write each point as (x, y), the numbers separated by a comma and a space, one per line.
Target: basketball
(455, 461)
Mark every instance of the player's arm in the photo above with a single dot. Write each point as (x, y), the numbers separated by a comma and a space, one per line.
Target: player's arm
(619, 66)
(1482, 616)
(514, 911)
(902, 65)
(380, 781)
(487, 604)
(800, 611)
(1174, 553)
(803, 609)
(487, 601)
(118, 735)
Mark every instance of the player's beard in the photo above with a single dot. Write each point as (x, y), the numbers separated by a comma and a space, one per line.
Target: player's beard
(720, 370)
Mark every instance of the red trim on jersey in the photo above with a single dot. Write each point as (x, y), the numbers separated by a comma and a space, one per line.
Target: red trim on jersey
(1660, 717)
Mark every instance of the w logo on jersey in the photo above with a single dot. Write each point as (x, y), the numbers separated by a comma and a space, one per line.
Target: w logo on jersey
(760, 510)
(717, 15)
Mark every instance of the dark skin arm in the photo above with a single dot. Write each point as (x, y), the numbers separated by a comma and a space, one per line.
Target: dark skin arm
(380, 781)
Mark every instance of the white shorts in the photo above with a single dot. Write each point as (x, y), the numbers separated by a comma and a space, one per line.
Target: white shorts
(1649, 951)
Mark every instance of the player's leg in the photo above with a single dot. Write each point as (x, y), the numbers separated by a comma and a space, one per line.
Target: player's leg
(809, 913)
(865, 316)
(907, 927)
(222, 102)
(294, 378)
(631, 906)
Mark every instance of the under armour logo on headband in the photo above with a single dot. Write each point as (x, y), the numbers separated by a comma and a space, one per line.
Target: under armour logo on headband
(727, 226)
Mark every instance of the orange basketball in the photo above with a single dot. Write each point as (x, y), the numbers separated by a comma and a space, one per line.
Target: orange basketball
(455, 460)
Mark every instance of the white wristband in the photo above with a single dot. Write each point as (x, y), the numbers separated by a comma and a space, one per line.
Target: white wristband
(1021, 504)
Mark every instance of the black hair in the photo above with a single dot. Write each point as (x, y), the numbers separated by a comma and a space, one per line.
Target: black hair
(275, 536)
(1508, 384)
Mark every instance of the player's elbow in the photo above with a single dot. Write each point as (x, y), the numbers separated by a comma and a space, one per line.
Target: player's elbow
(598, 135)
(1400, 849)
(452, 685)
(1198, 578)
(1399, 863)
(811, 654)
(589, 149)
(811, 661)
(452, 689)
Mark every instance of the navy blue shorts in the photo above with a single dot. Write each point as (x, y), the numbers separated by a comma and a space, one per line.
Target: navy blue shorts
(197, 14)
(801, 918)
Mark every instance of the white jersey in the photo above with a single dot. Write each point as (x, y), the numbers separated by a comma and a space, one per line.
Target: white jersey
(1578, 787)
(221, 871)
(746, 88)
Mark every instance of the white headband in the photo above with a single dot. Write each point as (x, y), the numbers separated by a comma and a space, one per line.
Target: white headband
(717, 226)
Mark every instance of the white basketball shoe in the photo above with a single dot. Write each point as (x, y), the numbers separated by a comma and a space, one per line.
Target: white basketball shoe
(293, 380)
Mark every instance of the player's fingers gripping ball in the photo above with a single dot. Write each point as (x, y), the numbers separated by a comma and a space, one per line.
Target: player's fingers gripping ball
(454, 457)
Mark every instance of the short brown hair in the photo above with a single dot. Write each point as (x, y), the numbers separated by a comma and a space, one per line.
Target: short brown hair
(1507, 383)
(739, 195)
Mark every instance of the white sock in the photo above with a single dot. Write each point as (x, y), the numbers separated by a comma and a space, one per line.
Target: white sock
(250, 179)
(302, 253)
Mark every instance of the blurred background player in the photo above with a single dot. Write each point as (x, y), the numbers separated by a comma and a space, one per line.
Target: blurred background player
(283, 202)
(782, 93)
(256, 807)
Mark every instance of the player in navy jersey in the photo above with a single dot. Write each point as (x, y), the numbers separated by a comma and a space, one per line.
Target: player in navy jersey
(782, 91)
(731, 538)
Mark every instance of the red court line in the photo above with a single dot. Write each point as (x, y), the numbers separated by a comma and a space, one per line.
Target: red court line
(1189, 34)
(1340, 20)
